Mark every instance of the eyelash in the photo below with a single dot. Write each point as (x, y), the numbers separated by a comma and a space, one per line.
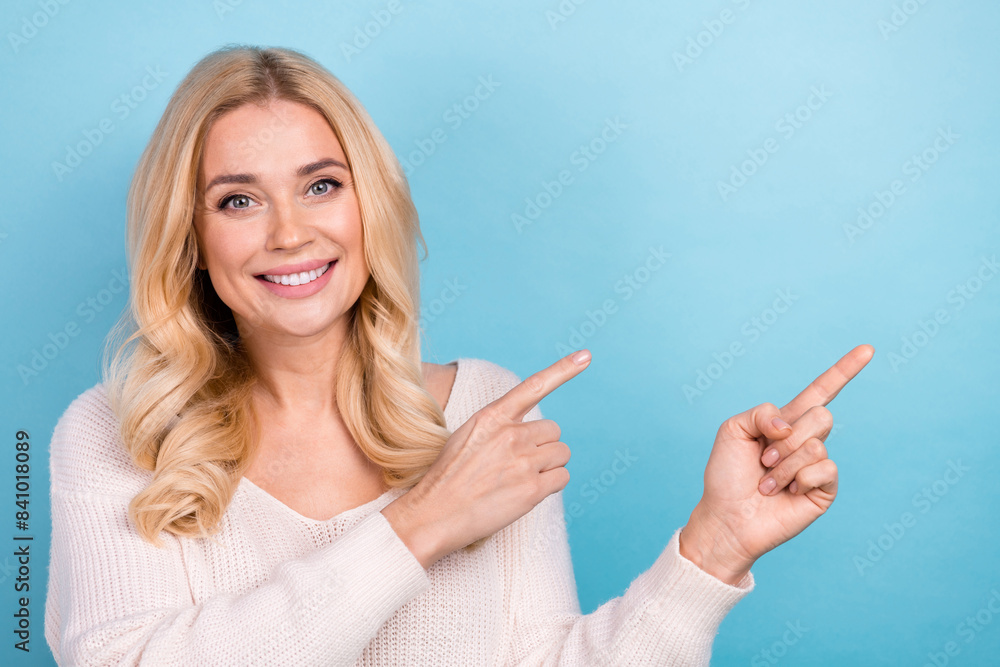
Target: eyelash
(334, 185)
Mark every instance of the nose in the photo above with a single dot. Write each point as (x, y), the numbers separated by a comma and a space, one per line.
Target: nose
(289, 227)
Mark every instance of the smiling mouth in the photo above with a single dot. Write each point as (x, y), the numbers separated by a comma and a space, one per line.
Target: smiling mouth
(303, 278)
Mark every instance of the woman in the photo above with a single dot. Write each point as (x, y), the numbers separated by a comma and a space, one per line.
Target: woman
(268, 473)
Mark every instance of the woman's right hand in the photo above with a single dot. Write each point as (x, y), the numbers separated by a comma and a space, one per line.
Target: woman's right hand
(492, 470)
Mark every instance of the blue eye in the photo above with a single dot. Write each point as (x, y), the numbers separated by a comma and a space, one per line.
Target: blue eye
(329, 185)
(240, 202)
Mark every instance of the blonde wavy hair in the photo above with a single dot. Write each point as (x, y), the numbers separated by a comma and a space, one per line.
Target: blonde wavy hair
(176, 374)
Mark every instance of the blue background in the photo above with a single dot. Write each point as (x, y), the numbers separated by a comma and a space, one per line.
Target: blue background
(893, 76)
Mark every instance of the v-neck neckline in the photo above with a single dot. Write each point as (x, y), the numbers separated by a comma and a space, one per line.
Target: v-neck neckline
(449, 411)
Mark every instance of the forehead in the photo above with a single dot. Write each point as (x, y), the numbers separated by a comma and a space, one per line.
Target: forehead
(270, 141)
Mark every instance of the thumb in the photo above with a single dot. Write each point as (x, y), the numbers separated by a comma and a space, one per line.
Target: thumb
(762, 420)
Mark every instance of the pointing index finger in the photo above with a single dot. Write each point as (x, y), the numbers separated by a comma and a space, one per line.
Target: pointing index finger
(823, 389)
(517, 402)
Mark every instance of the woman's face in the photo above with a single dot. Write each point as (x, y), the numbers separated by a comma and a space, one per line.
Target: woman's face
(276, 204)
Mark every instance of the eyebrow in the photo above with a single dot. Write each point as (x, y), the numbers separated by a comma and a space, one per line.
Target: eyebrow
(304, 170)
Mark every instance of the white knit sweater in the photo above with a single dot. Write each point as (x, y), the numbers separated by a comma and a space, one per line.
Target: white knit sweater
(276, 588)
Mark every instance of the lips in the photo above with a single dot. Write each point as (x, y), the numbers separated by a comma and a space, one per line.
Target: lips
(288, 269)
(299, 285)
(299, 278)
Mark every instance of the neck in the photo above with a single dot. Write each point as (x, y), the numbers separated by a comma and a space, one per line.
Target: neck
(297, 373)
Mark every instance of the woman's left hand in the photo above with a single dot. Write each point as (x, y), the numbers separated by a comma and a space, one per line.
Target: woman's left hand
(765, 481)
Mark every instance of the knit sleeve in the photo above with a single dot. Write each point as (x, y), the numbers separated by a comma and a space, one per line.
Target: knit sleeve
(669, 615)
(115, 599)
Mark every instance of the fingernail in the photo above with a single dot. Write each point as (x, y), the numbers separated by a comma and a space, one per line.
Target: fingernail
(581, 357)
(794, 486)
(780, 423)
(770, 457)
(767, 486)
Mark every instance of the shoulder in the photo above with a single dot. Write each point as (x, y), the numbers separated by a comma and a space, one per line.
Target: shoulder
(86, 453)
(491, 377)
(478, 383)
(439, 380)
(88, 417)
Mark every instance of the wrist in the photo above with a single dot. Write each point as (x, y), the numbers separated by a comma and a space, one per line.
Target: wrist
(413, 530)
(709, 546)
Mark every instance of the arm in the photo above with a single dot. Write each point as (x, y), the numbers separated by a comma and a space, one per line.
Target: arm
(668, 616)
(765, 482)
(115, 599)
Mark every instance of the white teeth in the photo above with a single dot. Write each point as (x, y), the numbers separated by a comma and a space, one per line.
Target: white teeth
(298, 278)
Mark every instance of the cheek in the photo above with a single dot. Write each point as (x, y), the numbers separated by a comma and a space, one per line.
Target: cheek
(226, 248)
(346, 229)
(226, 258)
